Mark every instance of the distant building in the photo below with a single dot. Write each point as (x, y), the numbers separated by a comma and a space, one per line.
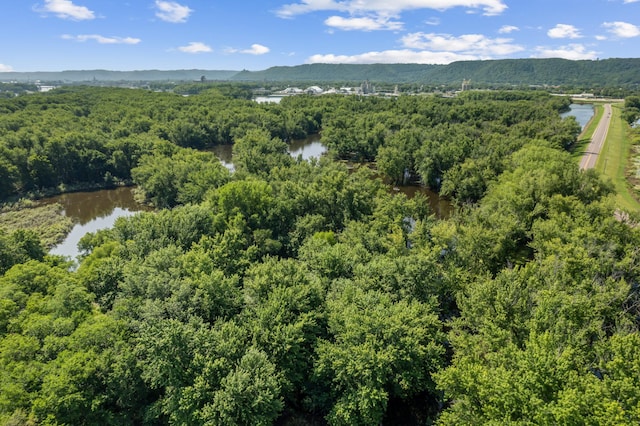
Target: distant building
(314, 90)
(43, 89)
(366, 88)
(291, 91)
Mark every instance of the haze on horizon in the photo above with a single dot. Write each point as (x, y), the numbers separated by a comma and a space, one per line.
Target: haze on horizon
(56, 35)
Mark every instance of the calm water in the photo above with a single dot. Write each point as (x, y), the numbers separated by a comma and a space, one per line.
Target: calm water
(311, 147)
(92, 211)
(308, 148)
(582, 113)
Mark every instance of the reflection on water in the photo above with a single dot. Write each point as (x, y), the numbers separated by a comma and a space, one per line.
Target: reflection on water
(308, 148)
(83, 207)
(225, 155)
(582, 113)
(92, 211)
(95, 210)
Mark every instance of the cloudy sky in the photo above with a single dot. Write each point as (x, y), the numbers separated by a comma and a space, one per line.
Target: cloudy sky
(54, 35)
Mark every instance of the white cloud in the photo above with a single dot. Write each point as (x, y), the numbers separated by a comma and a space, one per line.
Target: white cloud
(358, 7)
(571, 51)
(469, 44)
(393, 57)
(102, 39)
(256, 49)
(508, 29)
(432, 21)
(622, 29)
(170, 11)
(363, 24)
(564, 31)
(195, 47)
(5, 68)
(630, 1)
(65, 9)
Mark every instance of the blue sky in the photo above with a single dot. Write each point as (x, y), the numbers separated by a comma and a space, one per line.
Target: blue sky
(55, 35)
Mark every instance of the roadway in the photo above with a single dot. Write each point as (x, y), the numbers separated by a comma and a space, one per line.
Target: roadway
(590, 156)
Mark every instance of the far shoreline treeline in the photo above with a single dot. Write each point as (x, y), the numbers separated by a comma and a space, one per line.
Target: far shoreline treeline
(615, 72)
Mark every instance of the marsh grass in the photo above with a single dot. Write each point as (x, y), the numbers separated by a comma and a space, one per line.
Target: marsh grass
(48, 221)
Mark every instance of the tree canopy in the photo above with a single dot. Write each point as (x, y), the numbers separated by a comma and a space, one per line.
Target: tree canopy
(308, 292)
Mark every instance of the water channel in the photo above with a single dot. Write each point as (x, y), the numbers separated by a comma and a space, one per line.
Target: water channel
(312, 147)
(95, 210)
(92, 211)
(582, 112)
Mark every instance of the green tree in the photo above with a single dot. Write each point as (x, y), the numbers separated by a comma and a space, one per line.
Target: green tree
(258, 153)
(377, 350)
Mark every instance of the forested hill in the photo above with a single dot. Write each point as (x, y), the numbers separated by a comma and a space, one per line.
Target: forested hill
(390, 73)
(601, 73)
(609, 72)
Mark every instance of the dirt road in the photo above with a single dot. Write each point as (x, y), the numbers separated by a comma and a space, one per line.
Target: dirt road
(590, 157)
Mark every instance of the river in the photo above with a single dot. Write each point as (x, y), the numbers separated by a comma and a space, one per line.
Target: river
(92, 211)
(582, 113)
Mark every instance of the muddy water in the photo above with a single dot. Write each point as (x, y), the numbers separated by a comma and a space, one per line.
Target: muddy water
(92, 211)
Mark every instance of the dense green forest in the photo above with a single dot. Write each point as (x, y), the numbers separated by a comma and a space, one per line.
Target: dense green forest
(300, 292)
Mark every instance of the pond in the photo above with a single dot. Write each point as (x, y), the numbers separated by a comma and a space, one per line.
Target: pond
(92, 211)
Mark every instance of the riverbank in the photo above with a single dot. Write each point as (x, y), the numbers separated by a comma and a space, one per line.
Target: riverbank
(64, 189)
(46, 219)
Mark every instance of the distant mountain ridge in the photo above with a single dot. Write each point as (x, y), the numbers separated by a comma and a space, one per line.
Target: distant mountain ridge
(107, 75)
(606, 72)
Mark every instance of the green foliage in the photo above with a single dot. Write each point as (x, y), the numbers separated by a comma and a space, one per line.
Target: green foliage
(257, 153)
(295, 292)
(631, 111)
(18, 247)
(182, 177)
(377, 350)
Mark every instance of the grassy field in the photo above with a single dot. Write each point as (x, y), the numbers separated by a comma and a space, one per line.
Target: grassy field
(47, 221)
(614, 159)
